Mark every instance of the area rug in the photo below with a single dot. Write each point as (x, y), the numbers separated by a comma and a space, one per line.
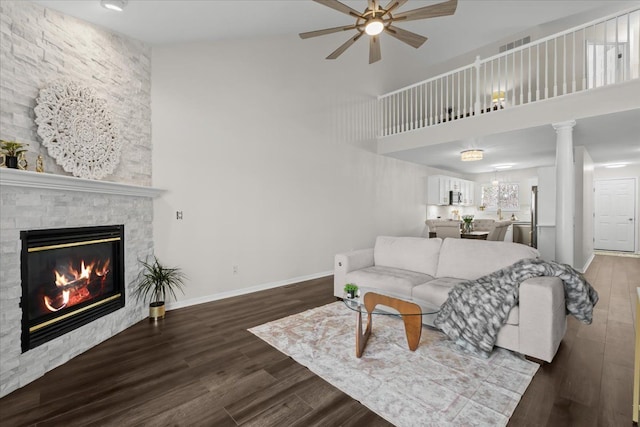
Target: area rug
(437, 385)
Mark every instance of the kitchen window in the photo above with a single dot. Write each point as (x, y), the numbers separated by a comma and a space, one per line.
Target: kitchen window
(505, 196)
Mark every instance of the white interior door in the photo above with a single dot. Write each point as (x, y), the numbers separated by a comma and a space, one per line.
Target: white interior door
(615, 201)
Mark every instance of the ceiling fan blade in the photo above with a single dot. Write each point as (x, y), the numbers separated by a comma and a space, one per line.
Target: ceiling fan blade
(340, 7)
(326, 31)
(412, 39)
(393, 5)
(374, 49)
(339, 51)
(440, 9)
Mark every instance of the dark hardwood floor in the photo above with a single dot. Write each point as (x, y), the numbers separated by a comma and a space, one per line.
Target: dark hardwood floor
(200, 366)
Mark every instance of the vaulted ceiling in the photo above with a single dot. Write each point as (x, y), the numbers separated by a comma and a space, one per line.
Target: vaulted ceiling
(476, 24)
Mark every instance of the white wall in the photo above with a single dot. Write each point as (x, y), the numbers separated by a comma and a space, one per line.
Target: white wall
(584, 208)
(257, 148)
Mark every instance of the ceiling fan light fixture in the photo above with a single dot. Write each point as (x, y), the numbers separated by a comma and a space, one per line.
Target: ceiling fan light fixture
(375, 19)
(374, 27)
(116, 5)
(471, 155)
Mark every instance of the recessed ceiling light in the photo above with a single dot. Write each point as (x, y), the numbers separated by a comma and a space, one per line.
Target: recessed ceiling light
(615, 165)
(504, 166)
(117, 5)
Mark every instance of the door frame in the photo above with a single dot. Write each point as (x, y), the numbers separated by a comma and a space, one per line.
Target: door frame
(636, 238)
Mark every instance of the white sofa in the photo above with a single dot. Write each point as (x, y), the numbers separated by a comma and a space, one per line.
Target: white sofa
(426, 269)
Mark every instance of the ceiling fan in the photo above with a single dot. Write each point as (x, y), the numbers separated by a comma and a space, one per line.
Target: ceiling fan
(375, 19)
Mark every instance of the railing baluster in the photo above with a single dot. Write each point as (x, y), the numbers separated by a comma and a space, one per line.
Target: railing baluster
(584, 71)
(405, 113)
(458, 74)
(419, 107)
(546, 72)
(521, 78)
(555, 67)
(616, 72)
(573, 49)
(411, 109)
(627, 62)
(538, 80)
(500, 87)
(513, 80)
(446, 100)
(529, 74)
(396, 114)
(431, 100)
(604, 54)
(464, 95)
(564, 64)
(441, 100)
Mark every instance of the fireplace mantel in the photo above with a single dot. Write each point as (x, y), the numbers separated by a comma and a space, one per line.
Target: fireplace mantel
(20, 178)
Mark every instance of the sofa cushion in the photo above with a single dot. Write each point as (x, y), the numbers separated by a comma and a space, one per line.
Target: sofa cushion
(392, 281)
(437, 291)
(407, 253)
(471, 259)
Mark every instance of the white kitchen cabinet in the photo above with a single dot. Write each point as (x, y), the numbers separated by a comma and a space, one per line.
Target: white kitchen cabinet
(437, 190)
(438, 187)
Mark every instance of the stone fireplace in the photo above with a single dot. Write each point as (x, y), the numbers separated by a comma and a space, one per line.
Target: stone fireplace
(40, 46)
(35, 205)
(70, 277)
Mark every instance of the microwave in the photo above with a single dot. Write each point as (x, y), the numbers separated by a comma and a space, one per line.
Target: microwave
(455, 198)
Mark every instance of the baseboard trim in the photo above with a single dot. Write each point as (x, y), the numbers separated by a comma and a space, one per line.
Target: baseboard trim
(244, 291)
(587, 264)
(617, 253)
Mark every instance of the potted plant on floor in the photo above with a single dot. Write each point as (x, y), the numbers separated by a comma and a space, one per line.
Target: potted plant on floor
(10, 151)
(155, 282)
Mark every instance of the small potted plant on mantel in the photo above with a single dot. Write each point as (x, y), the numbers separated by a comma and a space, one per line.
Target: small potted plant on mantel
(154, 283)
(351, 290)
(11, 150)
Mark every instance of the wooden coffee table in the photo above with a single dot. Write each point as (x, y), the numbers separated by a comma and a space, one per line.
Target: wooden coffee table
(410, 311)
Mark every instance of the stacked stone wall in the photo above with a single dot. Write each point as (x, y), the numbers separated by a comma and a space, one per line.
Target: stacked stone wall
(38, 46)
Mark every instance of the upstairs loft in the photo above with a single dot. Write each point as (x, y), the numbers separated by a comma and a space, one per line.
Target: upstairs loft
(586, 71)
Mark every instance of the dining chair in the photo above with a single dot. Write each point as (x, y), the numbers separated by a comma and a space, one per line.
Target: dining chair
(499, 230)
(448, 230)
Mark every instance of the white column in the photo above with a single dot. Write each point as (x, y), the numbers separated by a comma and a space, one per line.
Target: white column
(565, 191)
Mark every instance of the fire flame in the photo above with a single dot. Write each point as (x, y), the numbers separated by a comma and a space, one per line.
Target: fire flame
(76, 280)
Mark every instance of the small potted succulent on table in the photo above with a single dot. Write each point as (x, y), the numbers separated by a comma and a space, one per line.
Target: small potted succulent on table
(351, 290)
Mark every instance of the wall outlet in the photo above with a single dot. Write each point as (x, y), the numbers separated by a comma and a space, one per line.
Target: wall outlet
(178, 214)
(235, 269)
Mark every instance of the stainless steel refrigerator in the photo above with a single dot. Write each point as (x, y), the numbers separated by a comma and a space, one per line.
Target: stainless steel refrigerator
(534, 217)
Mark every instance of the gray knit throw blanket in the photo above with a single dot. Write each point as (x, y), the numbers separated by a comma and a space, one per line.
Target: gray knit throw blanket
(475, 310)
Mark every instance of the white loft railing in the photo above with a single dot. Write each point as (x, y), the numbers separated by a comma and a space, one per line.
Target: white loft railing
(599, 53)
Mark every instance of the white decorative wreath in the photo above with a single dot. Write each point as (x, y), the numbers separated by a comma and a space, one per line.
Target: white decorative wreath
(78, 130)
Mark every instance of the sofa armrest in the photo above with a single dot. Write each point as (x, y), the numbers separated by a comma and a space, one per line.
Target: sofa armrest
(346, 262)
(543, 319)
